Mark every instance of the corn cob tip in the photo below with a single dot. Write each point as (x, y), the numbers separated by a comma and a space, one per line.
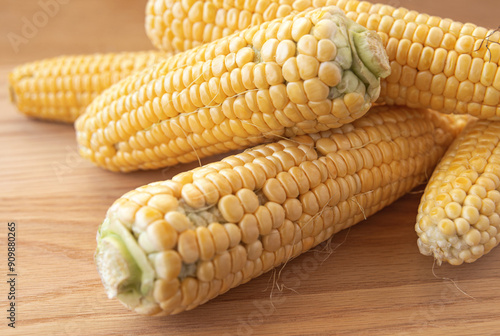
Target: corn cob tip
(14, 77)
(12, 95)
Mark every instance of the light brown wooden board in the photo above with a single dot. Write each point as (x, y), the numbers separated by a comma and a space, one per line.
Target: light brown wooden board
(374, 283)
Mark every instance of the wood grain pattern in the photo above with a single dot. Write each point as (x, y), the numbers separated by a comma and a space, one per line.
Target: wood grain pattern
(374, 281)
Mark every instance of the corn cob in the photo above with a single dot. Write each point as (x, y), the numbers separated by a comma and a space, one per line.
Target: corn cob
(302, 74)
(60, 88)
(459, 216)
(170, 246)
(436, 63)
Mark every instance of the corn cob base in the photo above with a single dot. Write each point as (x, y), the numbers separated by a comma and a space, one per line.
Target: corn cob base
(459, 215)
(171, 246)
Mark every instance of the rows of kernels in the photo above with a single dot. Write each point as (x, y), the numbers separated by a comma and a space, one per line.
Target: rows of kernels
(60, 88)
(292, 197)
(179, 25)
(436, 63)
(458, 217)
(225, 95)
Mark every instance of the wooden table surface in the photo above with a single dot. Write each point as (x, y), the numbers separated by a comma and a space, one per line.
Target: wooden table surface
(372, 280)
